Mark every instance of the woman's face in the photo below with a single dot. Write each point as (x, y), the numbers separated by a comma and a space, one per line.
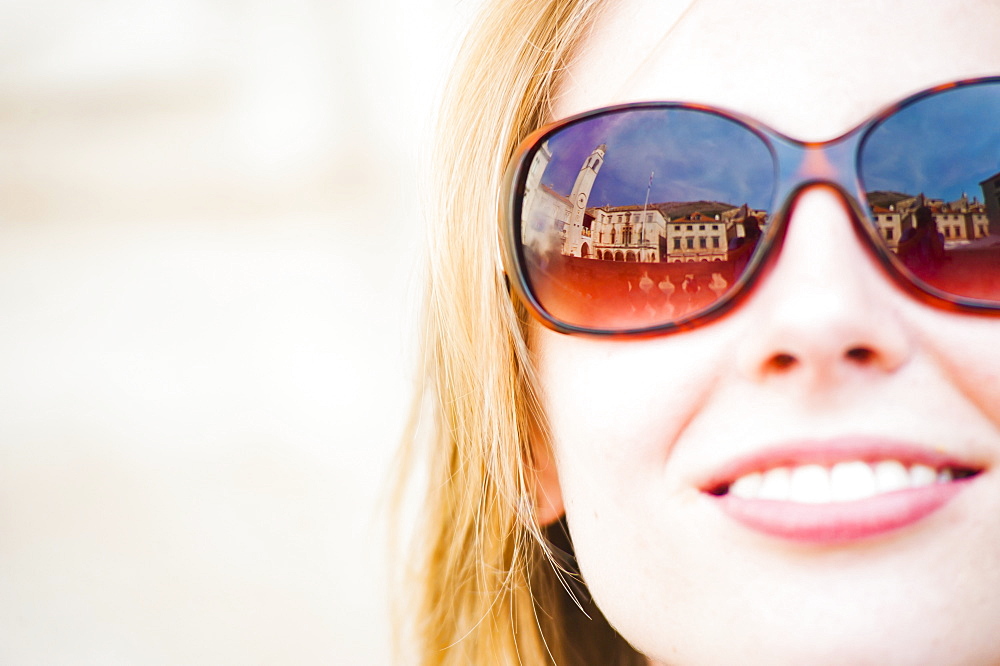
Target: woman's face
(826, 355)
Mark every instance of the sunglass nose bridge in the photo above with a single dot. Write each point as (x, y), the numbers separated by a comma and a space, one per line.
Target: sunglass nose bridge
(830, 163)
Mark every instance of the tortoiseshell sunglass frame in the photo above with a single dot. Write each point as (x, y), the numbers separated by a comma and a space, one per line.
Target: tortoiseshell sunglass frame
(798, 165)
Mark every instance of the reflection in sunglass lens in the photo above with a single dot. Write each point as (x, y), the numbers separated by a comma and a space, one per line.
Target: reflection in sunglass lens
(642, 217)
(932, 175)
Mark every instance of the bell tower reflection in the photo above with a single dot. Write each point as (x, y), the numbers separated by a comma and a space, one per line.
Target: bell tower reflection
(577, 242)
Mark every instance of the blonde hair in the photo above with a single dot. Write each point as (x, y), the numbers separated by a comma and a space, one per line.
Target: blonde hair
(485, 587)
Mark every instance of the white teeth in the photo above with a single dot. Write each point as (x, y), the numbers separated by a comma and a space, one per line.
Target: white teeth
(891, 475)
(810, 484)
(922, 475)
(746, 486)
(844, 482)
(775, 484)
(851, 481)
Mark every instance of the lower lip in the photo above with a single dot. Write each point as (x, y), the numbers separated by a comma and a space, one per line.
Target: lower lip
(840, 522)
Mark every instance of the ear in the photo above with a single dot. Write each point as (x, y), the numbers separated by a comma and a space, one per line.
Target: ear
(548, 493)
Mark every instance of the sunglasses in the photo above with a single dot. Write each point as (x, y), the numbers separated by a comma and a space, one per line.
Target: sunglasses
(645, 218)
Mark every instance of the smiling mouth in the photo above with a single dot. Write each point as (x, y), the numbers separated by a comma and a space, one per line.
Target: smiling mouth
(845, 481)
(837, 491)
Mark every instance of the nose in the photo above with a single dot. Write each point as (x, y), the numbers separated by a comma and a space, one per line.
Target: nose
(824, 311)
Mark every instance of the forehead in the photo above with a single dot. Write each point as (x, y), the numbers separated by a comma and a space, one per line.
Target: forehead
(811, 69)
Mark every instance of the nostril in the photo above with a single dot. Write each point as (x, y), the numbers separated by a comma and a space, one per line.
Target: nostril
(782, 361)
(862, 355)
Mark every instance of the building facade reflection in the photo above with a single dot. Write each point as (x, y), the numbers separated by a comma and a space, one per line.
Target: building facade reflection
(708, 231)
(671, 232)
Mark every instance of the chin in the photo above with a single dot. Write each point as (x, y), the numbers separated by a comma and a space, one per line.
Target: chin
(790, 639)
(704, 592)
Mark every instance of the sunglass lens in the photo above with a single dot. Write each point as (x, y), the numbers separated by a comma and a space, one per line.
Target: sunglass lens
(932, 174)
(642, 217)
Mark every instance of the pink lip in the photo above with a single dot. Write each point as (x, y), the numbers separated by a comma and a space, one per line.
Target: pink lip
(836, 522)
(842, 521)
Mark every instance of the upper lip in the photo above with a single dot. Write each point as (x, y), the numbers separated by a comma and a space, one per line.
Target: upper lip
(828, 452)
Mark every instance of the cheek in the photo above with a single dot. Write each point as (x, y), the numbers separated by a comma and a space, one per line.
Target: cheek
(616, 409)
(966, 353)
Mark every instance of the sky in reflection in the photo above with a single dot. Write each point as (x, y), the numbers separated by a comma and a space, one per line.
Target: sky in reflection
(942, 146)
(693, 156)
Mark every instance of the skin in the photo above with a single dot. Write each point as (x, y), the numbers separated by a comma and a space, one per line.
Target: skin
(637, 424)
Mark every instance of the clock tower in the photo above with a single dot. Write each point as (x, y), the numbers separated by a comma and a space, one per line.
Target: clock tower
(575, 238)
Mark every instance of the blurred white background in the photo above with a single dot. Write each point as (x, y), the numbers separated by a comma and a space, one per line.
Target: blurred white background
(210, 241)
